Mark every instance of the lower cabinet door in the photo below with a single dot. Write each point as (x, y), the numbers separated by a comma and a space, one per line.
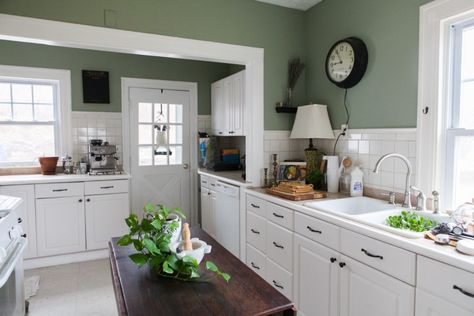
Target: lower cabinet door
(26, 211)
(105, 218)
(207, 221)
(60, 225)
(365, 291)
(279, 278)
(316, 278)
(430, 305)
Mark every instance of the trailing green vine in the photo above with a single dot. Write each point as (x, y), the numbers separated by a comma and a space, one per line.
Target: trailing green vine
(151, 237)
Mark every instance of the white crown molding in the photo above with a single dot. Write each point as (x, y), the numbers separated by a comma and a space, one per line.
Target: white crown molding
(293, 4)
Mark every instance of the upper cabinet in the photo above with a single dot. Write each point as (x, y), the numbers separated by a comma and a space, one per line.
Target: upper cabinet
(228, 99)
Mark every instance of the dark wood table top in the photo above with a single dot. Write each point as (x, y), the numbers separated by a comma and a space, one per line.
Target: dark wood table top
(245, 294)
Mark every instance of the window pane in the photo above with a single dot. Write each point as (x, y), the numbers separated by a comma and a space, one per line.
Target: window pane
(464, 170)
(144, 156)
(5, 112)
(176, 155)
(176, 134)
(145, 112)
(21, 93)
(176, 113)
(144, 134)
(161, 113)
(467, 71)
(44, 112)
(22, 112)
(43, 94)
(25, 143)
(161, 157)
(5, 92)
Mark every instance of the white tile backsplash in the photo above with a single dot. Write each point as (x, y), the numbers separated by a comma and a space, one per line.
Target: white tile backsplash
(89, 125)
(205, 124)
(364, 147)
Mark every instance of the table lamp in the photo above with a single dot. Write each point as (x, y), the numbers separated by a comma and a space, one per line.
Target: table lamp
(312, 121)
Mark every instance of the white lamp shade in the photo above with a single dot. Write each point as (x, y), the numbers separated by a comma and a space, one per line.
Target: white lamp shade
(312, 121)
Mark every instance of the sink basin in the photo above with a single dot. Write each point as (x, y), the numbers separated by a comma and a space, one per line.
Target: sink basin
(372, 212)
(351, 206)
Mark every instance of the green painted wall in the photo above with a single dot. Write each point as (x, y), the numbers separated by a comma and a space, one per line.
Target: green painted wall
(245, 22)
(118, 65)
(387, 95)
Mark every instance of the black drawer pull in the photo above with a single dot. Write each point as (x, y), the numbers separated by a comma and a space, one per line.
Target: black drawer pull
(277, 285)
(278, 246)
(455, 287)
(255, 266)
(19, 220)
(313, 230)
(59, 190)
(371, 255)
(278, 215)
(333, 260)
(23, 235)
(255, 231)
(108, 187)
(255, 206)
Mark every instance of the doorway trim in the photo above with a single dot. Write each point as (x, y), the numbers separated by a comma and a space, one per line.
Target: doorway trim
(192, 88)
(47, 32)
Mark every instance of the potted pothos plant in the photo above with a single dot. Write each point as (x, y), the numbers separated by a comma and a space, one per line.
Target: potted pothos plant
(151, 237)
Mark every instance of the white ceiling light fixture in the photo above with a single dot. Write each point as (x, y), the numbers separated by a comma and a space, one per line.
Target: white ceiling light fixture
(294, 4)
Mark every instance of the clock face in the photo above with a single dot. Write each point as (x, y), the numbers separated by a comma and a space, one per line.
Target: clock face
(340, 62)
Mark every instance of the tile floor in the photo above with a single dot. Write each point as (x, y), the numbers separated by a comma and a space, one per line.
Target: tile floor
(77, 289)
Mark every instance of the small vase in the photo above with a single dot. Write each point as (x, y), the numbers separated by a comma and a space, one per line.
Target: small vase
(176, 236)
(48, 165)
(290, 95)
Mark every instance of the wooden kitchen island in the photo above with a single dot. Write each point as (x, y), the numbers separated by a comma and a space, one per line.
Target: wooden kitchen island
(245, 294)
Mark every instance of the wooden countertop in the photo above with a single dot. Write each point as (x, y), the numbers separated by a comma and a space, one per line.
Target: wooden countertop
(245, 294)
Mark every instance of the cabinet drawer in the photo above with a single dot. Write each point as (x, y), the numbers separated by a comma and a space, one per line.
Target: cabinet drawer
(446, 282)
(280, 279)
(106, 187)
(280, 245)
(317, 230)
(256, 230)
(256, 261)
(280, 215)
(256, 205)
(392, 260)
(51, 190)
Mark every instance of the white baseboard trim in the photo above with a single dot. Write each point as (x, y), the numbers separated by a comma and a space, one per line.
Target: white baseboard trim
(42, 262)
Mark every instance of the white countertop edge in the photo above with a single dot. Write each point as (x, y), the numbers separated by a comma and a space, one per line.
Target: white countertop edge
(59, 178)
(421, 246)
(228, 180)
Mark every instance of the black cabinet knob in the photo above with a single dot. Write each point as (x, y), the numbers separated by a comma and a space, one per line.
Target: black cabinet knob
(342, 264)
(88, 200)
(333, 260)
(20, 220)
(80, 200)
(24, 235)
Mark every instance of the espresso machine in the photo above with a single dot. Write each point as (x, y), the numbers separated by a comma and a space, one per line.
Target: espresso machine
(102, 158)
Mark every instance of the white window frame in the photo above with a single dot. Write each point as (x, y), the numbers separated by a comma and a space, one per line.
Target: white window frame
(435, 91)
(62, 81)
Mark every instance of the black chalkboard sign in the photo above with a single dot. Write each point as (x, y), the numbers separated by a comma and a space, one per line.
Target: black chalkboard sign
(95, 86)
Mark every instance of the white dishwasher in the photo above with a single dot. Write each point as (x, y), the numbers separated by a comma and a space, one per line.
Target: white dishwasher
(227, 217)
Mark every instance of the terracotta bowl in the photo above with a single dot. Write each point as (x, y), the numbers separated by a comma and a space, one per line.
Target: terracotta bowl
(48, 165)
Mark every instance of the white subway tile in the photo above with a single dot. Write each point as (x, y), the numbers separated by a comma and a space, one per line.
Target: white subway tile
(388, 147)
(412, 149)
(402, 148)
(353, 146)
(386, 179)
(274, 145)
(363, 147)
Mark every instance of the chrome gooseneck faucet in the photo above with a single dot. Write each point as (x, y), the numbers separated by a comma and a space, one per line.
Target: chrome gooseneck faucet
(407, 201)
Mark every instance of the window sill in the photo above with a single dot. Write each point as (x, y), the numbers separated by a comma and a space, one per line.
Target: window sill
(11, 171)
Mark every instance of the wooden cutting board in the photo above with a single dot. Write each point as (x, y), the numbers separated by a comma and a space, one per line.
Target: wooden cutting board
(298, 196)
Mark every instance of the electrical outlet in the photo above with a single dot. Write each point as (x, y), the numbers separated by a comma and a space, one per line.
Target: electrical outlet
(344, 127)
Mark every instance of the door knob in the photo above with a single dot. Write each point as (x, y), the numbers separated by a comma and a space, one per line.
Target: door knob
(185, 166)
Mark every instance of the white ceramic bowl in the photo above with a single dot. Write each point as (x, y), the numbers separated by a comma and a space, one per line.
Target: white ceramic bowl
(466, 246)
(199, 249)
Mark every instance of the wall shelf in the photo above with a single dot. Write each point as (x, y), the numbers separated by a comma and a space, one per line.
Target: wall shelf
(286, 109)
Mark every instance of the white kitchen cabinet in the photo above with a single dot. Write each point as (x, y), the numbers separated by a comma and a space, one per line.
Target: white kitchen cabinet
(227, 105)
(60, 225)
(369, 292)
(316, 278)
(430, 305)
(105, 218)
(26, 211)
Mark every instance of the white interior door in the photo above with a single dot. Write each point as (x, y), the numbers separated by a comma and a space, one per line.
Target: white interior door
(160, 165)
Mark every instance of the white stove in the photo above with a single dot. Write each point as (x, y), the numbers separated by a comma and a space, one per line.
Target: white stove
(12, 246)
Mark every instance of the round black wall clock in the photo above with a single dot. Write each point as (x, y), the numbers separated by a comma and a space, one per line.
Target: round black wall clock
(346, 62)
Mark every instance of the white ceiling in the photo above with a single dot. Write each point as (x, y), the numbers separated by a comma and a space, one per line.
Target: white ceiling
(294, 4)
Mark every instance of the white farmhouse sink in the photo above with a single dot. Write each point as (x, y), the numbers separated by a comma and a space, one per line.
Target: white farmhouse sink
(371, 212)
(351, 205)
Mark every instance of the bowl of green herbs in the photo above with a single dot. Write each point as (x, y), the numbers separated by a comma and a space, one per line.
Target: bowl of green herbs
(411, 221)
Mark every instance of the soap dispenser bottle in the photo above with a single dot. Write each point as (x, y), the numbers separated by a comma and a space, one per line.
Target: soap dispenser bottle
(357, 182)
